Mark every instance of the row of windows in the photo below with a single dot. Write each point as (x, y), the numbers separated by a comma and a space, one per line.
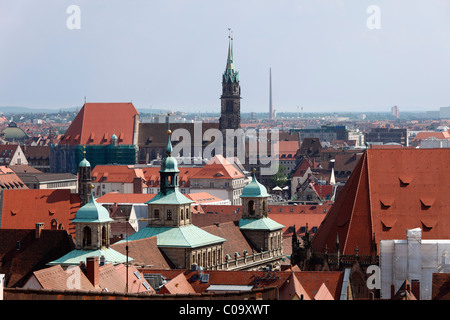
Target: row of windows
(61, 184)
(207, 259)
(169, 216)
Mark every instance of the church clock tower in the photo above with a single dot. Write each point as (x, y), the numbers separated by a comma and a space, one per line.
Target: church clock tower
(231, 94)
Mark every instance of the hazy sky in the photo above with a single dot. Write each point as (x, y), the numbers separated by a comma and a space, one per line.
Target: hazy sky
(172, 53)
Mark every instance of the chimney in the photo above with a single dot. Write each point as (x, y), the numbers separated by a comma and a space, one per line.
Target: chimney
(137, 185)
(415, 288)
(39, 227)
(92, 270)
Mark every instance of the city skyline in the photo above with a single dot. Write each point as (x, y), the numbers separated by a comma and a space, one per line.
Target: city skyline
(324, 56)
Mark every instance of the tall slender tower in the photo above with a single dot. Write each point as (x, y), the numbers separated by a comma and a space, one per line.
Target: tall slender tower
(84, 179)
(231, 93)
(270, 95)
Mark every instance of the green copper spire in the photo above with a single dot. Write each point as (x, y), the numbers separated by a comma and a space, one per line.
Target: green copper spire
(230, 73)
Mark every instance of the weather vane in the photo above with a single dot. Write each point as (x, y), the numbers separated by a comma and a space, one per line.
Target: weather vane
(230, 33)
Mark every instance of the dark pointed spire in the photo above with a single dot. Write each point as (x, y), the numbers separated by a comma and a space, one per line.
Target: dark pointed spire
(230, 73)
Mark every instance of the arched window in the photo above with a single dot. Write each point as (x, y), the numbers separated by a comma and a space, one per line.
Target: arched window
(87, 237)
(104, 237)
(251, 207)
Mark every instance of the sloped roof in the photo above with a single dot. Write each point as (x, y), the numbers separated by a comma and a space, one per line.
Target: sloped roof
(10, 180)
(97, 122)
(218, 168)
(76, 256)
(202, 197)
(389, 191)
(116, 173)
(179, 284)
(18, 263)
(323, 293)
(152, 176)
(171, 197)
(144, 252)
(135, 279)
(259, 224)
(293, 289)
(125, 198)
(429, 134)
(310, 280)
(188, 236)
(236, 241)
(55, 278)
(22, 209)
(288, 149)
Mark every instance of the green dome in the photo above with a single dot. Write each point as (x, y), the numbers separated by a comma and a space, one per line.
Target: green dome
(92, 212)
(84, 163)
(169, 164)
(12, 132)
(254, 190)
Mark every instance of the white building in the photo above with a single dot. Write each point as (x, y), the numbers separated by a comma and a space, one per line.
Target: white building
(412, 259)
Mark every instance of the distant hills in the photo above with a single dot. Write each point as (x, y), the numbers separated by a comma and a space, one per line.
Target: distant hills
(15, 110)
(8, 110)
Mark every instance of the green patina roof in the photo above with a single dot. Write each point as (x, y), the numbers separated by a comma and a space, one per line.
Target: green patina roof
(173, 196)
(259, 224)
(92, 212)
(188, 236)
(74, 257)
(230, 74)
(254, 190)
(84, 163)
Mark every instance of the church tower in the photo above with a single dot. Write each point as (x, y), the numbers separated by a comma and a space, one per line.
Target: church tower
(231, 94)
(255, 224)
(92, 225)
(169, 208)
(84, 180)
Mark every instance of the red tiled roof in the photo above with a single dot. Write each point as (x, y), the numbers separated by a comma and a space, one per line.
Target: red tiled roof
(116, 173)
(427, 135)
(152, 176)
(218, 168)
(56, 278)
(144, 252)
(389, 191)
(96, 123)
(22, 209)
(179, 284)
(18, 262)
(310, 280)
(236, 242)
(10, 180)
(203, 197)
(441, 286)
(121, 198)
(323, 191)
(287, 215)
